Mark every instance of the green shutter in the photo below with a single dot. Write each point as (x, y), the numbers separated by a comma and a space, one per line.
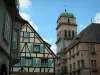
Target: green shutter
(34, 62)
(38, 62)
(20, 46)
(31, 47)
(50, 62)
(22, 61)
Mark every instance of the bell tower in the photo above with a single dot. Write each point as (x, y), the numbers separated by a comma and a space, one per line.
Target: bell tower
(66, 30)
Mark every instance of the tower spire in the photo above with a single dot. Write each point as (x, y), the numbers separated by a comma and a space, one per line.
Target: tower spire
(65, 8)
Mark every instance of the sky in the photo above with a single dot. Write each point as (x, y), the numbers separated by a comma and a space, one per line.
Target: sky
(43, 14)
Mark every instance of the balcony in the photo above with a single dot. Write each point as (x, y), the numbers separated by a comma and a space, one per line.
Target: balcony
(92, 52)
(94, 70)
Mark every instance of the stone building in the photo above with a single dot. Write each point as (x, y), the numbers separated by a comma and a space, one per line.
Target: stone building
(10, 24)
(78, 54)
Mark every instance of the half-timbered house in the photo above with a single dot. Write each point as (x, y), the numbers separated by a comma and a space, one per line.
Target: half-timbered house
(36, 57)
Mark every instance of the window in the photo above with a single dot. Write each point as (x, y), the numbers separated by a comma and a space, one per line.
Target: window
(36, 62)
(22, 61)
(44, 62)
(7, 28)
(82, 63)
(36, 48)
(65, 33)
(78, 64)
(69, 33)
(68, 20)
(42, 48)
(28, 62)
(72, 33)
(74, 67)
(91, 47)
(26, 36)
(15, 39)
(93, 64)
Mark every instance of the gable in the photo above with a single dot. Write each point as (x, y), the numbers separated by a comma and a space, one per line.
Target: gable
(33, 40)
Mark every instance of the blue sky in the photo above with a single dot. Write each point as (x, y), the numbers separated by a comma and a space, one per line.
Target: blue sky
(43, 14)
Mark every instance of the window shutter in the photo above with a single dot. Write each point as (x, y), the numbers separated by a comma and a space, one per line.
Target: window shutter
(34, 62)
(31, 48)
(41, 48)
(50, 62)
(38, 63)
(22, 61)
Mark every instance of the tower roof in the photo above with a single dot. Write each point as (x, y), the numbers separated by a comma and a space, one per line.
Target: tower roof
(66, 14)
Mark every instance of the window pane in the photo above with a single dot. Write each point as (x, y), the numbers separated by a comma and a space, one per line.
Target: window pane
(36, 48)
(26, 34)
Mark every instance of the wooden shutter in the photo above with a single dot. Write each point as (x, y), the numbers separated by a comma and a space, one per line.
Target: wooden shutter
(41, 48)
(50, 62)
(22, 61)
(34, 62)
(31, 47)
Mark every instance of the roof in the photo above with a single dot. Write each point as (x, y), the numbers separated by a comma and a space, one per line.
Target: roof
(66, 14)
(91, 34)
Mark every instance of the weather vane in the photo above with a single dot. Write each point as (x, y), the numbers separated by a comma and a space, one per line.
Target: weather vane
(65, 8)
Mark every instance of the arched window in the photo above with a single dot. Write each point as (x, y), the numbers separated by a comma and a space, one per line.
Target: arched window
(69, 33)
(68, 20)
(65, 33)
(72, 33)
